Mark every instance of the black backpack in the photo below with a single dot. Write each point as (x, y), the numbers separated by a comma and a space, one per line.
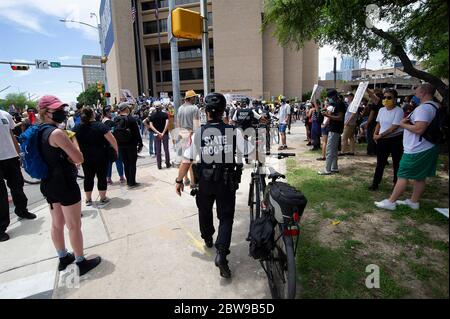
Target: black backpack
(435, 130)
(122, 132)
(262, 236)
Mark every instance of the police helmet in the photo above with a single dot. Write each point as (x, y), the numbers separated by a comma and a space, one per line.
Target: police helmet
(215, 103)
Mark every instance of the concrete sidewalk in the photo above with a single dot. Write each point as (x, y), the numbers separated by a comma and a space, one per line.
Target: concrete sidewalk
(149, 240)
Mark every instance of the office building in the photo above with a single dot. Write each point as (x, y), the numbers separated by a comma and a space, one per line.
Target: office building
(92, 76)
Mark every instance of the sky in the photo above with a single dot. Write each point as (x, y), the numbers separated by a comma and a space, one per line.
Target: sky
(30, 30)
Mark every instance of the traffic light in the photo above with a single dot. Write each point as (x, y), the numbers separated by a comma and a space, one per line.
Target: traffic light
(20, 67)
(186, 24)
(99, 87)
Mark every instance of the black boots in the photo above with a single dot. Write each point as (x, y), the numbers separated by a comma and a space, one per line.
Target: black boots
(209, 242)
(222, 262)
(65, 261)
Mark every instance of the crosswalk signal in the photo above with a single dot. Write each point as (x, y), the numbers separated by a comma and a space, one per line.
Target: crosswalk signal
(186, 24)
(20, 67)
(99, 87)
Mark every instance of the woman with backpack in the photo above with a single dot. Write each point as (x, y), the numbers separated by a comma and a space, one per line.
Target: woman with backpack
(94, 139)
(60, 188)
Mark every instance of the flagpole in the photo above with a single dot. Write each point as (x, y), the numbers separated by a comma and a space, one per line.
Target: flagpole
(159, 49)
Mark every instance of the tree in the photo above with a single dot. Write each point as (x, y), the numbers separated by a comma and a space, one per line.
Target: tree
(19, 100)
(90, 96)
(306, 96)
(418, 28)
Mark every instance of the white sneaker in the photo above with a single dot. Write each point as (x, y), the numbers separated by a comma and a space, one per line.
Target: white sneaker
(409, 203)
(386, 204)
(324, 172)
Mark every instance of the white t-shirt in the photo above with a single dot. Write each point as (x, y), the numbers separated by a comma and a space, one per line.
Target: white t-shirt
(412, 143)
(388, 118)
(7, 148)
(285, 110)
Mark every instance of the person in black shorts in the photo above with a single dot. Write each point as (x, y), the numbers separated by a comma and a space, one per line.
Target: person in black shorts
(94, 139)
(60, 188)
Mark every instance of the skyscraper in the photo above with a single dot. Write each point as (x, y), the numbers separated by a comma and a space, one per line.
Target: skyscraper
(349, 63)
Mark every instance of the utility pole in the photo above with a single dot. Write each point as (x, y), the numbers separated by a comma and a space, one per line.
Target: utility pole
(205, 48)
(334, 71)
(174, 60)
(159, 47)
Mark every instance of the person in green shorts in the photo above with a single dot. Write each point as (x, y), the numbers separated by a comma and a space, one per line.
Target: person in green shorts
(420, 156)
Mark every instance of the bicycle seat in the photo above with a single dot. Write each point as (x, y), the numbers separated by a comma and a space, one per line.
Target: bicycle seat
(274, 175)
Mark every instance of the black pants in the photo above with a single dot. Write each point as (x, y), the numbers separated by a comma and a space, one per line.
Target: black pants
(129, 157)
(385, 147)
(225, 202)
(92, 169)
(10, 171)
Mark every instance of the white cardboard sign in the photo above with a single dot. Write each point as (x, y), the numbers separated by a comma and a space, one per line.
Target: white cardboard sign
(317, 90)
(362, 87)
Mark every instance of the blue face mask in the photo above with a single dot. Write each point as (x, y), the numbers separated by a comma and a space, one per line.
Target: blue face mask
(330, 100)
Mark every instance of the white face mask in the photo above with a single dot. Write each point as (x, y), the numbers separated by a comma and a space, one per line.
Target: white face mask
(346, 100)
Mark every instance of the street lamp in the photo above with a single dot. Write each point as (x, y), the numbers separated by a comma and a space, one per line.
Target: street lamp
(81, 83)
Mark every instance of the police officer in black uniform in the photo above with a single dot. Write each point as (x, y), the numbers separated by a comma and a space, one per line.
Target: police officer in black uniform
(218, 177)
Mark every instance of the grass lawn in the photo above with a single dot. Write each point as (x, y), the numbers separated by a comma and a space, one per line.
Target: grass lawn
(343, 232)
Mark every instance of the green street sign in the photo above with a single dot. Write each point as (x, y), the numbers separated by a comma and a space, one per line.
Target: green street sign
(55, 64)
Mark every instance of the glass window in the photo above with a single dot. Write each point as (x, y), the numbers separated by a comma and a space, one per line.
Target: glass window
(151, 27)
(148, 5)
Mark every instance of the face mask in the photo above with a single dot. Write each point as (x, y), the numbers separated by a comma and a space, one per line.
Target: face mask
(388, 103)
(346, 100)
(330, 100)
(59, 116)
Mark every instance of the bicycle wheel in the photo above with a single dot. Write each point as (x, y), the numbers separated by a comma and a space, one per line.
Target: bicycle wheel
(281, 268)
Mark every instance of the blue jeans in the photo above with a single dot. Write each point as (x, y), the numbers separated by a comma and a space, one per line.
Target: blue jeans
(151, 143)
(119, 166)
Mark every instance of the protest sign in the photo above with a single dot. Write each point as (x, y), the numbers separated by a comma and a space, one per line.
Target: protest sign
(362, 87)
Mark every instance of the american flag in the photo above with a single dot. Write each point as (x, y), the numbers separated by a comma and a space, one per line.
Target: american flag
(133, 14)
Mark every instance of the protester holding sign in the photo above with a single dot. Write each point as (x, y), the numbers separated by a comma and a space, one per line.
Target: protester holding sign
(349, 127)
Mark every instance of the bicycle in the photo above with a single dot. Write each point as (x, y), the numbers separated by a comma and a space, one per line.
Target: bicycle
(279, 263)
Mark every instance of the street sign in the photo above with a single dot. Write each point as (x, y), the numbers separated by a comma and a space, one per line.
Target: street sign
(42, 64)
(55, 64)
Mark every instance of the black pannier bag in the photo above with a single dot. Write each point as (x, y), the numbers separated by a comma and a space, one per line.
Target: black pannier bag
(261, 236)
(285, 197)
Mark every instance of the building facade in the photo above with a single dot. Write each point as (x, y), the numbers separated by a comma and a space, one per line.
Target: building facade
(243, 59)
(92, 76)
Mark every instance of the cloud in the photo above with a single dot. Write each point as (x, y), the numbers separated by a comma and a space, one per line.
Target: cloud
(38, 11)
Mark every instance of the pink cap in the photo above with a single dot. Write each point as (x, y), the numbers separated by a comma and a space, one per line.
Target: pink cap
(50, 102)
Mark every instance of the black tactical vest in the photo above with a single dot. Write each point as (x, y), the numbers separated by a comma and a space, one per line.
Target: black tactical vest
(216, 145)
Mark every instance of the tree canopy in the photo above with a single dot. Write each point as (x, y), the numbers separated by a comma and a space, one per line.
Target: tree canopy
(417, 28)
(19, 100)
(90, 96)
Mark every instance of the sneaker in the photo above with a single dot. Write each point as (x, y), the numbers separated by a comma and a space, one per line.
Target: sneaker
(335, 171)
(386, 204)
(109, 181)
(4, 237)
(122, 180)
(104, 201)
(285, 147)
(409, 203)
(134, 185)
(281, 148)
(209, 242)
(89, 202)
(65, 261)
(88, 264)
(324, 172)
(168, 165)
(321, 159)
(309, 144)
(27, 215)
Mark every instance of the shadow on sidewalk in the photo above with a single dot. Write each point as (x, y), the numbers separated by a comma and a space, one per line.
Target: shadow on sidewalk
(116, 202)
(26, 227)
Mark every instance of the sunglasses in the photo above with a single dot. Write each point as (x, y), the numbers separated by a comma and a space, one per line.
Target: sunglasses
(387, 97)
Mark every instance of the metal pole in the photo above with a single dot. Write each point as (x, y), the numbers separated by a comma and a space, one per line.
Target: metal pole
(205, 48)
(174, 60)
(159, 48)
(334, 71)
